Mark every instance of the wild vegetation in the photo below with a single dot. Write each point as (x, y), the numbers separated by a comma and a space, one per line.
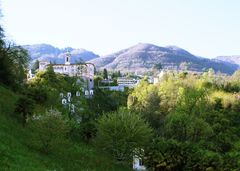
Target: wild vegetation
(195, 118)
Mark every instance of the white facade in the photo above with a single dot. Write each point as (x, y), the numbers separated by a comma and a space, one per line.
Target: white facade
(84, 70)
(127, 82)
(138, 164)
(157, 79)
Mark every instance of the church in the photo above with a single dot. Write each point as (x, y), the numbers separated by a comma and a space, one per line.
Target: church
(82, 70)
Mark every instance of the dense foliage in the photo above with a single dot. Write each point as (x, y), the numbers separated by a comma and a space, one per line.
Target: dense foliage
(13, 63)
(196, 121)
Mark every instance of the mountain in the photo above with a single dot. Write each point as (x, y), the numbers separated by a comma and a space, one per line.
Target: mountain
(56, 55)
(143, 57)
(231, 59)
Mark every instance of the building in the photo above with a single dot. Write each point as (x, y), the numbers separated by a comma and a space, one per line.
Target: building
(83, 70)
(138, 164)
(127, 82)
(160, 76)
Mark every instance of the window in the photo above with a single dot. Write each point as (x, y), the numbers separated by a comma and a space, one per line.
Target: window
(141, 162)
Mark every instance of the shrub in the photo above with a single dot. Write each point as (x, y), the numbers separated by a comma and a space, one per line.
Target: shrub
(49, 131)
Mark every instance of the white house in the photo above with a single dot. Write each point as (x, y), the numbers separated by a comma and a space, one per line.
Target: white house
(157, 79)
(138, 164)
(127, 82)
(83, 70)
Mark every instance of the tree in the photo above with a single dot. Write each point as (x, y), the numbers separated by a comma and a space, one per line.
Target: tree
(158, 66)
(105, 73)
(13, 67)
(122, 134)
(24, 107)
(145, 100)
(119, 74)
(35, 66)
(49, 131)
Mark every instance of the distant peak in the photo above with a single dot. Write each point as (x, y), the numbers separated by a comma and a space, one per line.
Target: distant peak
(144, 46)
(173, 47)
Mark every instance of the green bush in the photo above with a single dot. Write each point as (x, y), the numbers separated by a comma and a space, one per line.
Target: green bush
(49, 131)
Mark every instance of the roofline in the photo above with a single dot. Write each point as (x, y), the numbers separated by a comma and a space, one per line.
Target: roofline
(81, 63)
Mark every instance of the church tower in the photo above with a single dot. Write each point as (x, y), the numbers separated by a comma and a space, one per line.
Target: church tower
(67, 58)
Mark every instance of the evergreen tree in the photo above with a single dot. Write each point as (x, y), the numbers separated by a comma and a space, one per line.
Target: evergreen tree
(105, 73)
(35, 66)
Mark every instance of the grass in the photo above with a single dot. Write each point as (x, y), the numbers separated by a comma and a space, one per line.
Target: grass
(16, 153)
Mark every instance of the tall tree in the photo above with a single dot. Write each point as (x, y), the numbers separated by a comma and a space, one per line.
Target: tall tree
(14, 62)
(105, 73)
(35, 66)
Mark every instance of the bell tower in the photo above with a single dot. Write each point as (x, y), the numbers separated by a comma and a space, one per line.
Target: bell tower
(67, 58)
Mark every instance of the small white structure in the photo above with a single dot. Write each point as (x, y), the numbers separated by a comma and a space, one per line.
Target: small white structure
(30, 75)
(159, 77)
(61, 95)
(127, 82)
(91, 92)
(138, 164)
(78, 81)
(64, 101)
(77, 93)
(86, 93)
(73, 108)
(69, 94)
(69, 99)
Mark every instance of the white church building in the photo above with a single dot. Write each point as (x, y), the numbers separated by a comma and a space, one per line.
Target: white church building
(83, 70)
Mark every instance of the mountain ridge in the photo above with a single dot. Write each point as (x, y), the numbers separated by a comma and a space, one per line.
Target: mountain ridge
(234, 59)
(143, 56)
(56, 55)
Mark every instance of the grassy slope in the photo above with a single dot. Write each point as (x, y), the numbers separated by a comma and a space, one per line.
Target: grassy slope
(16, 155)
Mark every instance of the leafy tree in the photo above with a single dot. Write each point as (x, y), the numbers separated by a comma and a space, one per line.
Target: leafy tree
(122, 134)
(146, 100)
(14, 61)
(24, 107)
(158, 66)
(35, 66)
(49, 131)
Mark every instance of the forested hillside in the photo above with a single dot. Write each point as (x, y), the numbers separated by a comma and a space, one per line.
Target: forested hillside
(196, 119)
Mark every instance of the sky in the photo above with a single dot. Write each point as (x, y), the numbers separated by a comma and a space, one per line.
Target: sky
(206, 28)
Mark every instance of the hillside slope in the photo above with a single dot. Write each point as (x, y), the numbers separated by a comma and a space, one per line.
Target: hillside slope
(231, 59)
(142, 57)
(16, 154)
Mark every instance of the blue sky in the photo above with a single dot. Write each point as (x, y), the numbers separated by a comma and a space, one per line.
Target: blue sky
(206, 28)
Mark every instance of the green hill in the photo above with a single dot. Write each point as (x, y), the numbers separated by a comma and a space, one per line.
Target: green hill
(16, 153)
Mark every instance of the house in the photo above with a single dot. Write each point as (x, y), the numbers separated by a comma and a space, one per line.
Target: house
(160, 76)
(83, 70)
(127, 82)
(138, 163)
